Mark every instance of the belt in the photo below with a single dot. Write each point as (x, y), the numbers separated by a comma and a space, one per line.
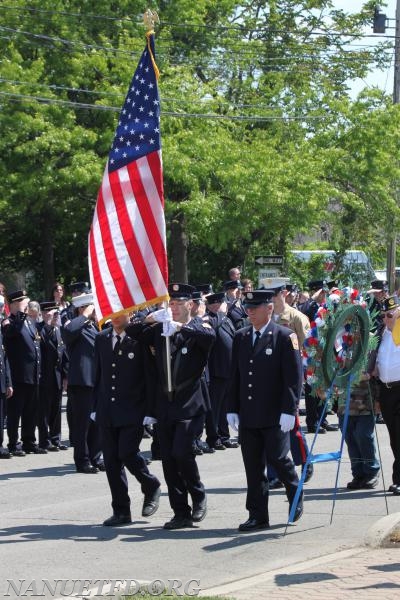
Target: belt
(390, 384)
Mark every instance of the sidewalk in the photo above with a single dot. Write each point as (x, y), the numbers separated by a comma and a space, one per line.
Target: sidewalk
(369, 573)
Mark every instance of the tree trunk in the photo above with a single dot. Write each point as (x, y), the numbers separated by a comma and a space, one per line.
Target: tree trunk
(178, 249)
(47, 231)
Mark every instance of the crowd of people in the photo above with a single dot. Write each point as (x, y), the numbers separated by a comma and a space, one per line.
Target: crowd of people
(187, 375)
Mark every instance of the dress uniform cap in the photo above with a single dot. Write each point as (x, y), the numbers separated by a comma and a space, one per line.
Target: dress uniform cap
(197, 295)
(204, 288)
(257, 297)
(332, 284)
(379, 285)
(214, 298)
(292, 288)
(16, 296)
(48, 305)
(82, 300)
(390, 303)
(277, 289)
(232, 285)
(80, 286)
(180, 291)
(317, 284)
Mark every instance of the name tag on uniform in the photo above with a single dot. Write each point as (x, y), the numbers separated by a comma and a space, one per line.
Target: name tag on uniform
(131, 355)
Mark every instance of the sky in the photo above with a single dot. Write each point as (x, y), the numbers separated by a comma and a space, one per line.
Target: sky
(382, 79)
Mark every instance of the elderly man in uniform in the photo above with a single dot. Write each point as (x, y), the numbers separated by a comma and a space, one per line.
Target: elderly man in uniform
(22, 344)
(120, 408)
(265, 391)
(180, 413)
(387, 369)
(79, 336)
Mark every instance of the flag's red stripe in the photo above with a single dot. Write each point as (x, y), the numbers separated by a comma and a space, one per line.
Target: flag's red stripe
(111, 257)
(156, 170)
(148, 219)
(101, 293)
(129, 236)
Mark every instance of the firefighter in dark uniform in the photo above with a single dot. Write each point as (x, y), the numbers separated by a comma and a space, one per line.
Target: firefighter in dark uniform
(236, 312)
(265, 391)
(75, 289)
(54, 374)
(180, 413)
(120, 406)
(22, 344)
(79, 335)
(219, 365)
(6, 391)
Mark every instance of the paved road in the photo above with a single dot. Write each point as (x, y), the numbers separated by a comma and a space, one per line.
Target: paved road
(50, 523)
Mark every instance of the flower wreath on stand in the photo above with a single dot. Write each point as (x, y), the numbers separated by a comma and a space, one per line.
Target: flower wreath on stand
(337, 344)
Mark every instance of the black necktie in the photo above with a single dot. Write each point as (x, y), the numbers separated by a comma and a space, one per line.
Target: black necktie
(117, 344)
(258, 335)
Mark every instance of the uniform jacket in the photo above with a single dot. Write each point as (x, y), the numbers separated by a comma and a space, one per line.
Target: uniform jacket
(119, 391)
(54, 357)
(22, 344)
(5, 374)
(219, 362)
(237, 314)
(190, 349)
(79, 335)
(267, 382)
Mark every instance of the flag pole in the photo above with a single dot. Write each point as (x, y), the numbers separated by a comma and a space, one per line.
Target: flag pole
(150, 17)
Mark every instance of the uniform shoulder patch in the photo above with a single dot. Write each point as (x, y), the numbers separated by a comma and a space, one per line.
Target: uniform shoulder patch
(295, 341)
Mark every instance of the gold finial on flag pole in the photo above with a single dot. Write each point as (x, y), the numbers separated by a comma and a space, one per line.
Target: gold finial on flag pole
(150, 17)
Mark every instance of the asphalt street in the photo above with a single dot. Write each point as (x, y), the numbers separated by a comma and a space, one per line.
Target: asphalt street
(51, 522)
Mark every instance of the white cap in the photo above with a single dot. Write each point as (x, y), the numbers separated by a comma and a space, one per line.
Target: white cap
(82, 300)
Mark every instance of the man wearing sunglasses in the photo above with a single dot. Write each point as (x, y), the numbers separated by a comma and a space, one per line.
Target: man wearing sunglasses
(388, 369)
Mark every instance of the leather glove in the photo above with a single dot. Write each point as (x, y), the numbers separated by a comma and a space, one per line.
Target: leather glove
(162, 316)
(149, 421)
(93, 416)
(233, 421)
(286, 422)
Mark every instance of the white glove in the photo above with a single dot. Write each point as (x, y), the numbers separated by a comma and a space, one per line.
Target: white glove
(93, 416)
(149, 421)
(287, 422)
(170, 327)
(233, 421)
(162, 316)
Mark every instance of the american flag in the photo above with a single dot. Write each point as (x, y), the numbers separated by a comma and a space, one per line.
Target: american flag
(127, 242)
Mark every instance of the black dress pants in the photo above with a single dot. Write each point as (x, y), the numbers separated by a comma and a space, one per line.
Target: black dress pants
(390, 406)
(87, 448)
(23, 405)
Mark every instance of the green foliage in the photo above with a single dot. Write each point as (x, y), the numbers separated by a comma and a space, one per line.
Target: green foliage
(261, 140)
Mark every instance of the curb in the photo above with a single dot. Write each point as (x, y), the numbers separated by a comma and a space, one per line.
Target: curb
(385, 533)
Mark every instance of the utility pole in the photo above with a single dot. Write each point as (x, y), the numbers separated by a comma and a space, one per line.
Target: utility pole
(391, 253)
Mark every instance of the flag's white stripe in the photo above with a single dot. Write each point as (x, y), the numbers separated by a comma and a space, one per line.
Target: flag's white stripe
(119, 243)
(143, 240)
(153, 195)
(99, 313)
(105, 274)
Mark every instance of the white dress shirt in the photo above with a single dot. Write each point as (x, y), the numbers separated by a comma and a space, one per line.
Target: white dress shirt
(114, 337)
(388, 360)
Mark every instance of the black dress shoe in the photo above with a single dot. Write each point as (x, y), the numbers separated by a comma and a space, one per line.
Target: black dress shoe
(17, 452)
(4, 453)
(179, 523)
(370, 483)
(275, 484)
(355, 484)
(151, 503)
(309, 473)
(230, 444)
(117, 520)
(253, 525)
(392, 488)
(100, 466)
(199, 510)
(396, 492)
(314, 430)
(87, 469)
(197, 451)
(219, 445)
(207, 449)
(61, 446)
(329, 427)
(52, 448)
(34, 450)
